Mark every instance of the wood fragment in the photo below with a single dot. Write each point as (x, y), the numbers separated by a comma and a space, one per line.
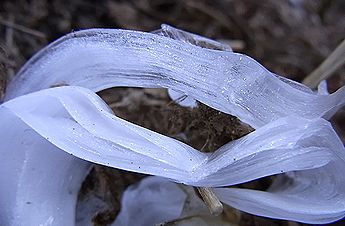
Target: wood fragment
(335, 60)
(211, 200)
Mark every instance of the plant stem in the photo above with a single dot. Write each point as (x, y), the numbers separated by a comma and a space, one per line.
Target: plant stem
(211, 200)
(328, 66)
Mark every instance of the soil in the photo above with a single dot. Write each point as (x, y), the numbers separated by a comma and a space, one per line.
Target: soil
(290, 38)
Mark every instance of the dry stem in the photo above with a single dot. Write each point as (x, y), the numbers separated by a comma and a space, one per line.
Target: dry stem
(328, 66)
(211, 200)
(23, 29)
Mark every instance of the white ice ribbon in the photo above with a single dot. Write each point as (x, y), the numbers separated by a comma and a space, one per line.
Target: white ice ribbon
(47, 135)
(230, 82)
(76, 121)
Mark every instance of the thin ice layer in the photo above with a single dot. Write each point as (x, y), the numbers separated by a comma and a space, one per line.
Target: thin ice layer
(155, 200)
(187, 37)
(152, 201)
(193, 39)
(182, 99)
(230, 82)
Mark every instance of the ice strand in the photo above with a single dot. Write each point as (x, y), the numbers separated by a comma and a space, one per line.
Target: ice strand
(76, 121)
(230, 82)
(39, 182)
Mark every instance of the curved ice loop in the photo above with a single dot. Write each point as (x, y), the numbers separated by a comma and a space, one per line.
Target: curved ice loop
(227, 81)
(75, 120)
(288, 144)
(80, 124)
(312, 196)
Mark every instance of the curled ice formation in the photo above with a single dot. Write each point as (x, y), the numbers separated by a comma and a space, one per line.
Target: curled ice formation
(79, 123)
(230, 82)
(46, 136)
(76, 121)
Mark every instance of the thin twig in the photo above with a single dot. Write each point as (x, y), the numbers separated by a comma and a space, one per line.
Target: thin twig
(9, 33)
(204, 146)
(215, 14)
(211, 200)
(335, 60)
(2, 81)
(10, 45)
(23, 29)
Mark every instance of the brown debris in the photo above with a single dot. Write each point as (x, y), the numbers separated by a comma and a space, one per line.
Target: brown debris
(203, 128)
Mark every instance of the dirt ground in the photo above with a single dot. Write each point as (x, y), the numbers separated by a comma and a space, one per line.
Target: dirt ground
(290, 38)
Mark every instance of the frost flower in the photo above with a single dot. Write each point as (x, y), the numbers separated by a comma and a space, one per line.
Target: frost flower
(48, 133)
